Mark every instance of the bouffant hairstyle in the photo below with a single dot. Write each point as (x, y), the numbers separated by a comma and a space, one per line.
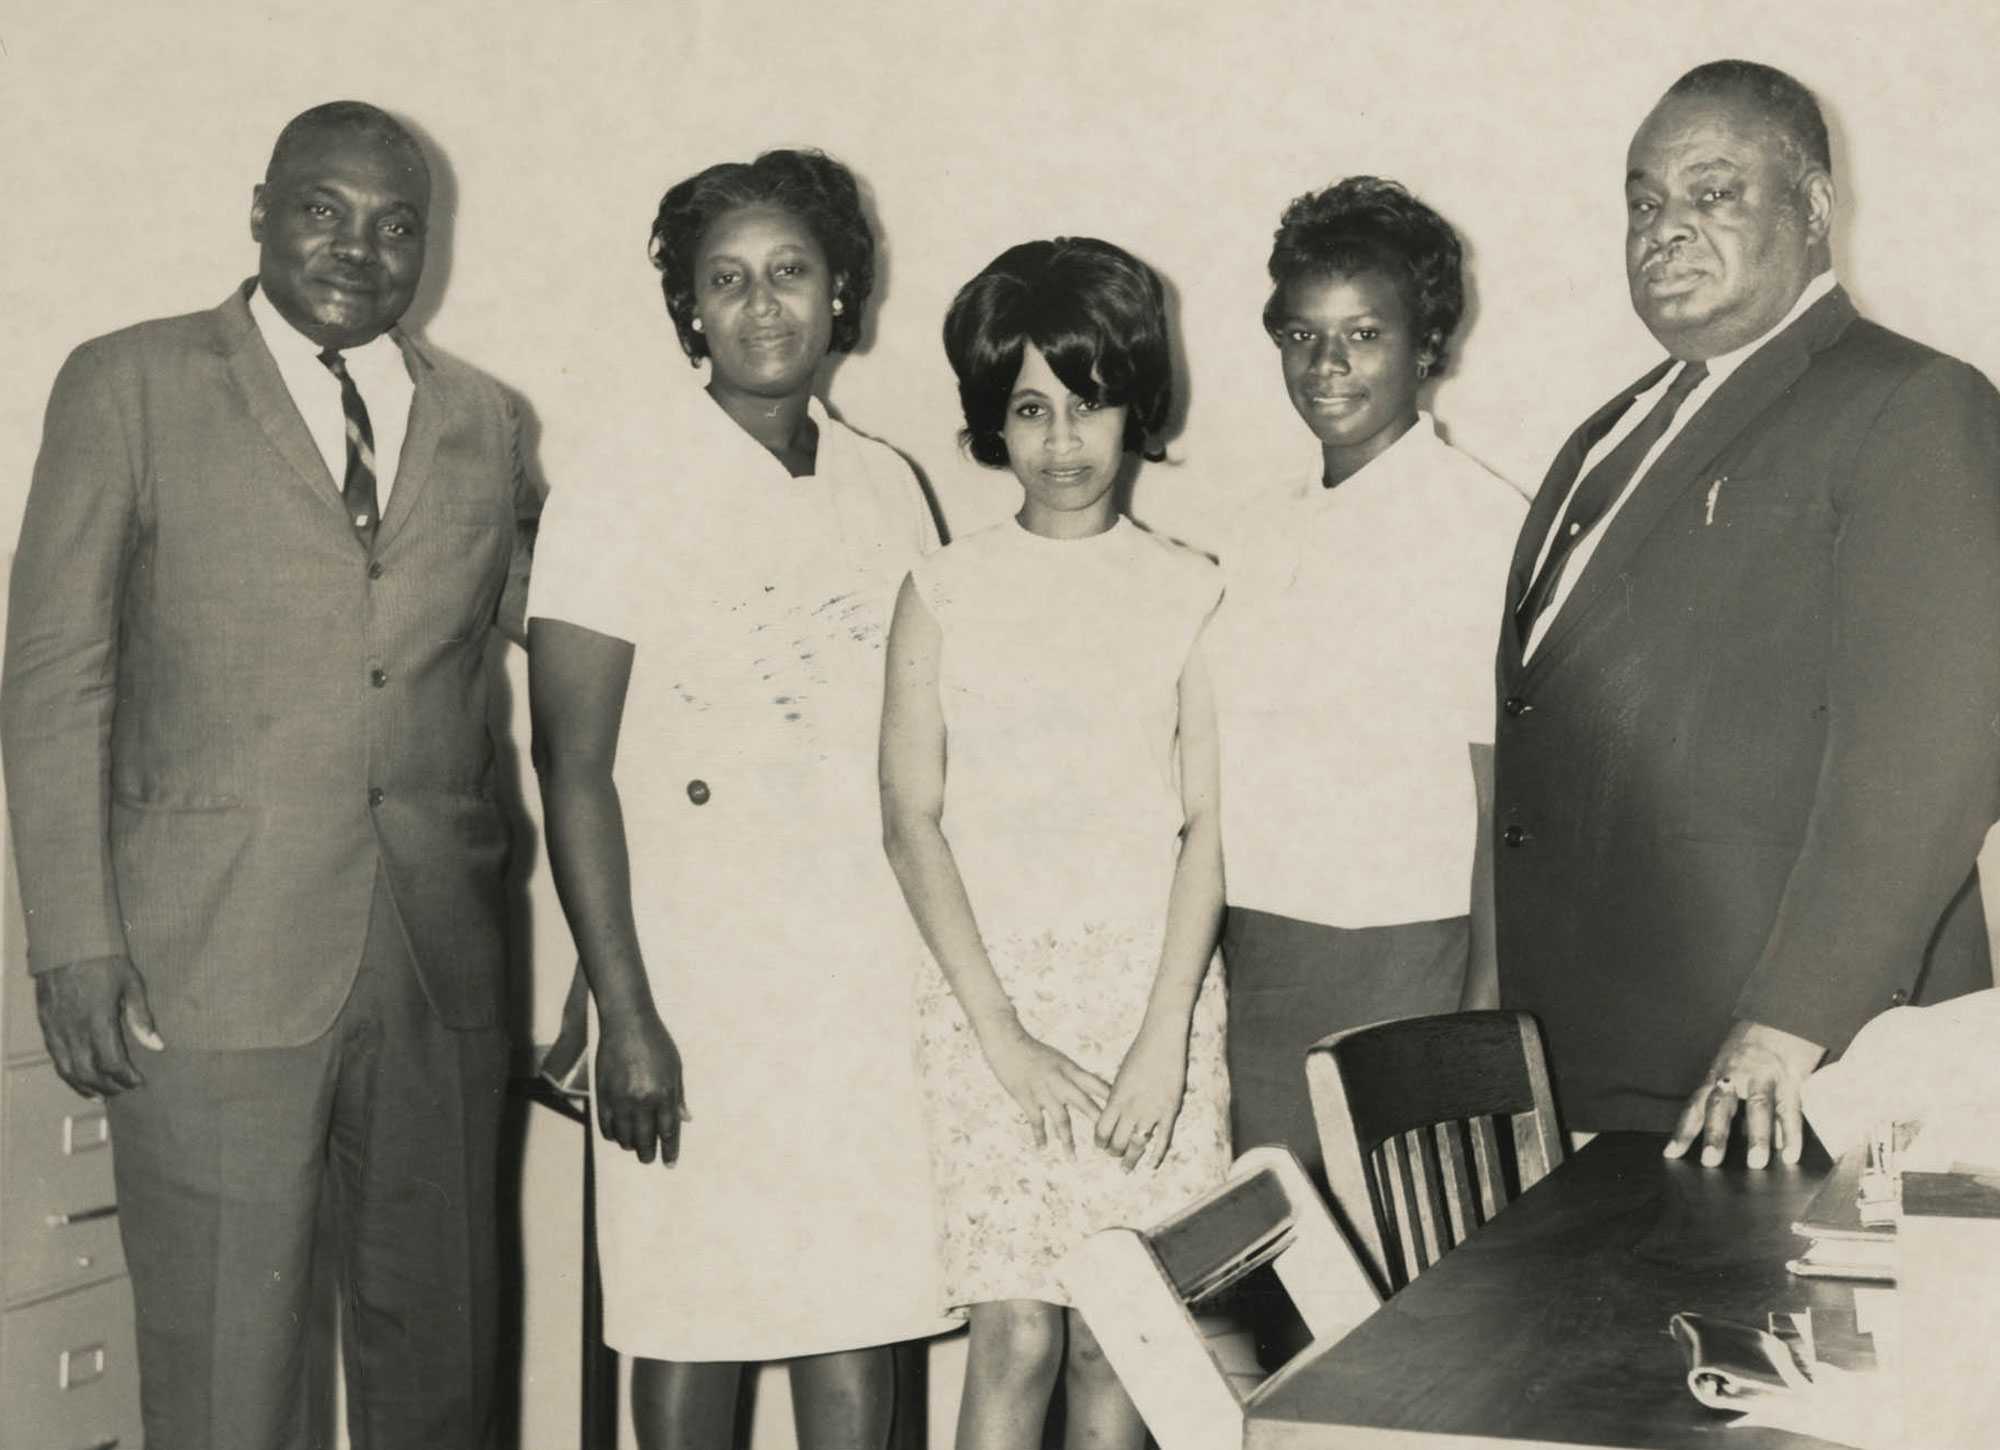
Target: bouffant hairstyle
(812, 186)
(1779, 98)
(1366, 224)
(1095, 311)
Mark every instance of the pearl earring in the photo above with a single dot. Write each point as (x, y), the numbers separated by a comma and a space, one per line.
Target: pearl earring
(696, 324)
(838, 307)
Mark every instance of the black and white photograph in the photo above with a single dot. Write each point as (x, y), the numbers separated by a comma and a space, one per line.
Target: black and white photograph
(929, 726)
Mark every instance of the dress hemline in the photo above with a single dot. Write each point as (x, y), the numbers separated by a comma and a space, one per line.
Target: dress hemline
(770, 1352)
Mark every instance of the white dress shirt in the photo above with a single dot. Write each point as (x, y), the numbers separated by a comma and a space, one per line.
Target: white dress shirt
(380, 374)
(1352, 659)
(1719, 369)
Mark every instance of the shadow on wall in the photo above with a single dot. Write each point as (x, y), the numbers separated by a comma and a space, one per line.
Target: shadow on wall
(442, 233)
(510, 779)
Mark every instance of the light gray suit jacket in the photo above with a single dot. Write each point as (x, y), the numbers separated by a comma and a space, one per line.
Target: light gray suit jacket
(219, 713)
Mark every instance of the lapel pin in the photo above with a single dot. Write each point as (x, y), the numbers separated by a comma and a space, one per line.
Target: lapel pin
(1714, 492)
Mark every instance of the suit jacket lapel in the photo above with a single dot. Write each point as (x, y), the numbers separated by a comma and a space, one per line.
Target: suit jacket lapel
(270, 402)
(1554, 493)
(430, 405)
(1743, 397)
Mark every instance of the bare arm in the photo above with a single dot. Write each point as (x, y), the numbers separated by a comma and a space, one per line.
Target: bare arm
(1046, 1084)
(1138, 1122)
(576, 695)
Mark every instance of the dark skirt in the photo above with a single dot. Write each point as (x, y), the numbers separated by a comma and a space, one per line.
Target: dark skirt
(1292, 982)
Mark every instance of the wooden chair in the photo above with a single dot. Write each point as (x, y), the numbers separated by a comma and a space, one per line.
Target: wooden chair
(1138, 1288)
(1409, 1114)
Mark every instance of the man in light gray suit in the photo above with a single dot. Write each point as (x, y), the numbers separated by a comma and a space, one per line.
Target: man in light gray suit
(251, 788)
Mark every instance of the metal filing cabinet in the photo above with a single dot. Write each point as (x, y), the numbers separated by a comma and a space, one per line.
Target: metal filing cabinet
(69, 1378)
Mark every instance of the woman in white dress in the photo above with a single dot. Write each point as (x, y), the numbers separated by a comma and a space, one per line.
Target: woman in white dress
(707, 615)
(1065, 869)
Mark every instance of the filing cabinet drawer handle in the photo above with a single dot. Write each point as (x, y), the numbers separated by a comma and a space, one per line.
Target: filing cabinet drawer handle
(85, 1133)
(81, 1215)
(78, 1367)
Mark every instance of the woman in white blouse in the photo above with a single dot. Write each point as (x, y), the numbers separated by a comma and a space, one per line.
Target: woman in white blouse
(707, 611)
(1354, 659)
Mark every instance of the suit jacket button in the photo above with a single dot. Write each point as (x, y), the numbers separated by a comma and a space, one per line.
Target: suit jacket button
(375, 795)
(1514, 835)
(378, 677)
(1515, 705)
(374, 568)
(1898, 997)
(698, 792)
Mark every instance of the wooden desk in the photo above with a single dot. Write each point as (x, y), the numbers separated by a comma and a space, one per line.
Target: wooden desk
(1549, 1326)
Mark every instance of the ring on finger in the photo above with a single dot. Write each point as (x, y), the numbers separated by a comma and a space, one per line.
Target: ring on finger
(1726, 1086)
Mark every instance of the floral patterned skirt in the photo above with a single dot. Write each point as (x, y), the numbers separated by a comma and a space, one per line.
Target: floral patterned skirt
(1007, 1210)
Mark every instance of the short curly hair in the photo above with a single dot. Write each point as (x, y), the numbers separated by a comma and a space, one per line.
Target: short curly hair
(1367, 224)
(1095, 311)
(812, 186)
(358, 118)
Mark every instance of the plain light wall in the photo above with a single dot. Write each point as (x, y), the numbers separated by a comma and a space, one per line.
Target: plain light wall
(131, 134)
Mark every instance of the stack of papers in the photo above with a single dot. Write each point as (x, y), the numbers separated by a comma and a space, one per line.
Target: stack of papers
(1841, 1241)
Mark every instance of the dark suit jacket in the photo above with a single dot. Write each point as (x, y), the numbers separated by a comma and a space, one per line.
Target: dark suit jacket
(1748, 770)
(218, 714)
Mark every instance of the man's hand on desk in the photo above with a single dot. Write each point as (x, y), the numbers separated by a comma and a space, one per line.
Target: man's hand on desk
(86, 1008)
(1762, 1070)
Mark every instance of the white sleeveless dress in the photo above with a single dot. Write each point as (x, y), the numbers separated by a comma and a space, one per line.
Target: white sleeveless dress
(1059, 684)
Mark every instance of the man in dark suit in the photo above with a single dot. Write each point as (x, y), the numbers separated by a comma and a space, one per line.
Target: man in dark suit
(250, 782)
(1749, 741)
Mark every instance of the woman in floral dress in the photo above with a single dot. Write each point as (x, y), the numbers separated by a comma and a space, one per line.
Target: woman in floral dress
(1066, 869)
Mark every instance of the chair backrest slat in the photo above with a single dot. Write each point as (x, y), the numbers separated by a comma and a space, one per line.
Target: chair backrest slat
(1462, 1187)
(1434, 1203)
(1379, 1185)
(1486, 1152)
(1409, 1210)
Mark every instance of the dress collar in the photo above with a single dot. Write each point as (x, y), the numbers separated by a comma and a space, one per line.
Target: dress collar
(1409, 456)
(726, 444)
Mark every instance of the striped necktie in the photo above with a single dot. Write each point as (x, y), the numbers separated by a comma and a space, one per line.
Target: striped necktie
(357, 490)
(1600, 489)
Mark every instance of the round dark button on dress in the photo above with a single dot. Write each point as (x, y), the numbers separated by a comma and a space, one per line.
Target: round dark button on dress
(378, 677)
(1513, 835)
(698, 792)
(1898, 997)
(374, 795)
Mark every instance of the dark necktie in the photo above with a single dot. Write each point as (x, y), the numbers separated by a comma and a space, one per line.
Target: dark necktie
(1600, 489)
(357, 490)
